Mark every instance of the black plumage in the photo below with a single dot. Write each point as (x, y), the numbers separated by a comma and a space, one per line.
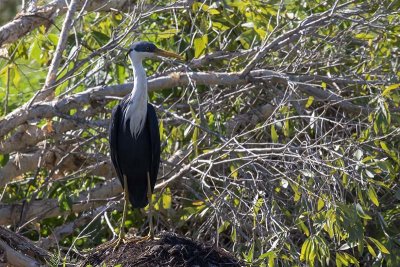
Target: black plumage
(135, 156)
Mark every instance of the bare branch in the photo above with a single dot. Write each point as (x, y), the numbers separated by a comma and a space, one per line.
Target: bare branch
(58, 107)
(20, 251)
(24, 23)
(46, 208)
(48, 89)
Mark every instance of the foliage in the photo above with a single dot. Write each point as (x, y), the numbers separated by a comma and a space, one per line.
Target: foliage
(310, 184)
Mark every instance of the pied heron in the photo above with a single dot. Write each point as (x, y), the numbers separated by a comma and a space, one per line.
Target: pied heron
(135, 137)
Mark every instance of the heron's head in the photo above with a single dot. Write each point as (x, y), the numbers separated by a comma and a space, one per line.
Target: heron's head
(142, 50)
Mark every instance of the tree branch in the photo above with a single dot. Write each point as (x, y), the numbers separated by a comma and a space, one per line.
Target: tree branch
(20, 251)
(48, 89)
(47, 208)
(24, 23)
(99, 93)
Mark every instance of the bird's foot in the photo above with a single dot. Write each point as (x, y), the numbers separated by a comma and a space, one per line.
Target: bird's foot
(115, 244)
(147, 238)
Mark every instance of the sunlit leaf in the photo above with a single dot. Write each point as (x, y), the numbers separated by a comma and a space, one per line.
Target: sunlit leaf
(371, 250)
(358, 154)
(248, 25)
(390, 88)
(166, 199)
(167, 34)
(379, 245)
(223, 226)
(304, 249)
(274, 134)
(365, 36)
(310, 100)
(320, 204)
(35, 51)
(361, 213)
(372, 196)
(200, 45)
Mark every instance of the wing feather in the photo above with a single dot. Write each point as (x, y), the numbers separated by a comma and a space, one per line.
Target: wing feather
(154, 143)
(116, 118)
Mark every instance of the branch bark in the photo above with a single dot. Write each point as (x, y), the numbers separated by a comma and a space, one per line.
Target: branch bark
(48, 89)
(21, 163)
(20, 251)
(24, 23)
(99, 94)
(47, 208)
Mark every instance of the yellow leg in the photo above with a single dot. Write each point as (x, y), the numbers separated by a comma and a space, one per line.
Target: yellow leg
(126, 200)
(121, 235)
(151, 227)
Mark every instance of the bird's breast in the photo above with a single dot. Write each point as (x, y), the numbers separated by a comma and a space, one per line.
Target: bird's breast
(135, 117)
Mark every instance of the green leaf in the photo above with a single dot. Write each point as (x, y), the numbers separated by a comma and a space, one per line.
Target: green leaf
(4, 159)
(304, 250)
(34, 51)
(17, 76)
(371, 250)
(234, 172)
(286, 128)
(309, 101)
(266, 255)
(379, 245)
(195, 140)
(100, 37)
(248, 25)
(213, 11)
(365, 36)
(304, 228)
(358, 154)
(166, 199)
(223, 226)
(64, 202)
(321, 204)
(390, 88)
(274, 134)
(343, 258)
(167, 34)
(219, 26)
(372, 196)
(53, 38)
(258, 205)
(369, 174)
(200, 45)
(361, 213)
(340, 260)
(233, 235)
(249, 256)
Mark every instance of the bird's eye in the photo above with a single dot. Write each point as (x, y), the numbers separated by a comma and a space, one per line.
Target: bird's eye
(147, 48)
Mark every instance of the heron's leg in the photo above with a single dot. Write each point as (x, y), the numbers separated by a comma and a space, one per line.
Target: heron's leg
(121, 235)
(126, 200)
(151, 227)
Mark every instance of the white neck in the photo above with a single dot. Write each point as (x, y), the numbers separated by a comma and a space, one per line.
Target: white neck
(137, 106)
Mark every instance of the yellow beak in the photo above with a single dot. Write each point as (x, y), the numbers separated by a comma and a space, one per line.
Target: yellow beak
(164, 53)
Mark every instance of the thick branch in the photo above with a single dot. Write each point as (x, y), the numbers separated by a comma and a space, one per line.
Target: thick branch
(55, 63)
(47, 208)
(58, 158)
(28, 135)
(250, 118)
(93, 95)
(20, 251)
(25, 23)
